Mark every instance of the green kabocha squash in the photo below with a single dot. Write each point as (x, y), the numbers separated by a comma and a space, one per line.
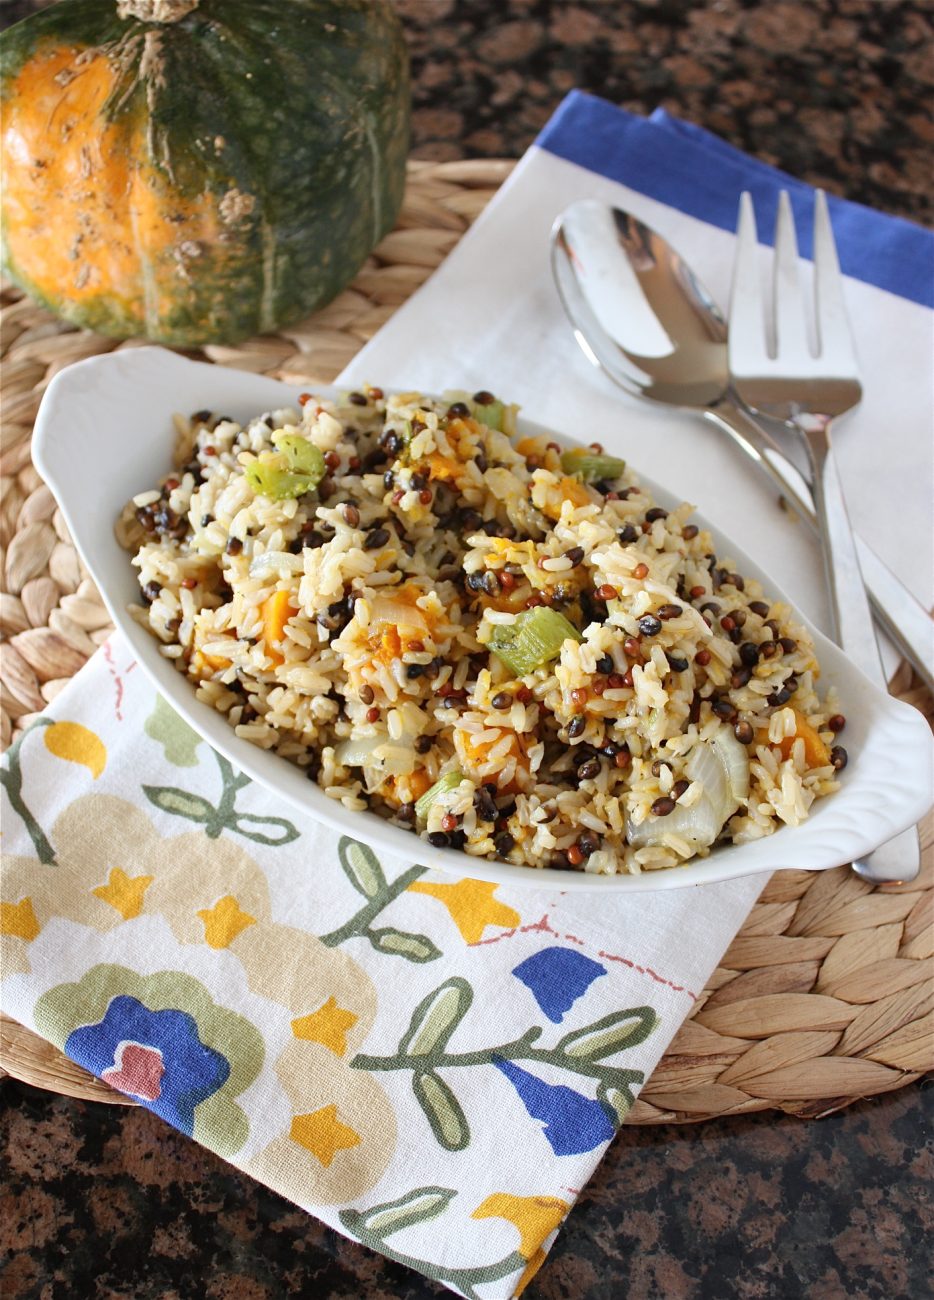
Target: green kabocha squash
(199, 170)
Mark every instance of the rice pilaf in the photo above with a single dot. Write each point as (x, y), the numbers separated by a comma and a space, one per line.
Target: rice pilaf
(506, 647)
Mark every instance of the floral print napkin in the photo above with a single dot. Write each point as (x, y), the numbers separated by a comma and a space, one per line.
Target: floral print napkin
(432, 1066)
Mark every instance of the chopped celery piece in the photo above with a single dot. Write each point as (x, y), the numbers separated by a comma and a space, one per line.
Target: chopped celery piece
(534, 639)
(302, 456)
(497, 415)
(491, 415)
(294, 469)
(450, 781)
(270, 478)
(591, 467)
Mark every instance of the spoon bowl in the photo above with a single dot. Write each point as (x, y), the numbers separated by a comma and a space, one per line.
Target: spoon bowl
(638, 309)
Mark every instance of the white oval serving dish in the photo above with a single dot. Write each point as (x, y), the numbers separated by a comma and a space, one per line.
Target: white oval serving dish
(104, 432)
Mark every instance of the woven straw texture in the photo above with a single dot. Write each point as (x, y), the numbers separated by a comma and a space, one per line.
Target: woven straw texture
(827, 994)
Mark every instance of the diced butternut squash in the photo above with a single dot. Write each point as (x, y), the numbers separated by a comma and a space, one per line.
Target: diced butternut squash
(414, 786)
(276, 611)
(566, 489)
(397, 790)
(473, 756)
(574, 491)
(443, 469)
(386, 644)
(531, 446)
(202, 664)
(816, 753)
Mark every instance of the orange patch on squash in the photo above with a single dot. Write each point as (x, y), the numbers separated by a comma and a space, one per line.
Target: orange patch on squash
(86, 213)
(388, 640)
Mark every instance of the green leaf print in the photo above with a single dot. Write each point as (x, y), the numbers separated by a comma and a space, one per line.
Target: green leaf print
(373, 1226)
(179, 742)
(399, 943)
(424, 1049)
(609, 1035)
(436, 1017)
(288, 831)
(361, 867)
(442, 1110)
(619, 1100)
(11, 778)
(415, 1207)
(181, 803)
(364, 872)
(225, 816)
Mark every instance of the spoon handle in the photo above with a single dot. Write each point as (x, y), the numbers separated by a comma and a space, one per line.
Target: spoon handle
(894, 607)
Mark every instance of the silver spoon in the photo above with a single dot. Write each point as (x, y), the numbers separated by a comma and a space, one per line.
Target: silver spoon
(641, 314)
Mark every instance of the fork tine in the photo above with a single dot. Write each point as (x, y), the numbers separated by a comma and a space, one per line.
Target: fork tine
(747, 314)
(788, 318)
(834, 336)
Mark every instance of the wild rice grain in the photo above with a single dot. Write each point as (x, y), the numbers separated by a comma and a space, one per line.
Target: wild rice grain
(376, 539)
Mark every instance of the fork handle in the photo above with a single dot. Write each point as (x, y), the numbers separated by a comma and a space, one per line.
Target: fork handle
(896, 609)
(898, 859)
(851, 619)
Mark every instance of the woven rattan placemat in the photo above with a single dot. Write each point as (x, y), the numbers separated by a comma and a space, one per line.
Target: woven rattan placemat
(827, 994)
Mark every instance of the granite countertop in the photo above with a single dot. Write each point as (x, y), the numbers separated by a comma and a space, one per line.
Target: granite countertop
(109, 1202)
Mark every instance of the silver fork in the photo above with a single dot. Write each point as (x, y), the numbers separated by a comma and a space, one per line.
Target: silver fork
(808, 391)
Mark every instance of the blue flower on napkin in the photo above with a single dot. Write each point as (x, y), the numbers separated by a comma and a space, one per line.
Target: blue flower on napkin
(557, 977)
(154, 1055)
(573, 1123)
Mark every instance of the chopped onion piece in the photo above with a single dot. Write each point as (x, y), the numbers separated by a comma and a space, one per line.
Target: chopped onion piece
(722, 768)
(387, 609)
(356, 752)
(378, 753)
(261, 566)
(698, 825)
(735, 760)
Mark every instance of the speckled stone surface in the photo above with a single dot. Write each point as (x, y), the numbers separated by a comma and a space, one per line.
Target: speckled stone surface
(112, 1204)
(836, 91)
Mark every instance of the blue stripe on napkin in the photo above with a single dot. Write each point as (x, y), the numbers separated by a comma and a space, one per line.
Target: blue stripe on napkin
(697, 173)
